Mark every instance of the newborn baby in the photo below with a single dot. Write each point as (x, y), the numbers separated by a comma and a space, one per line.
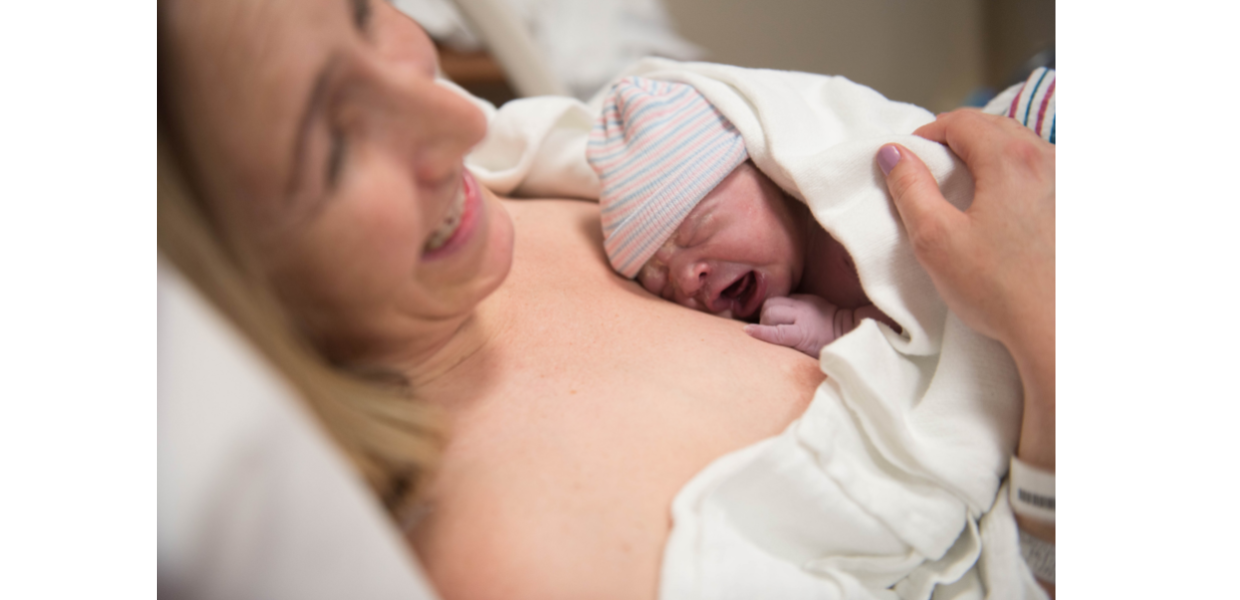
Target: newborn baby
(689, 216)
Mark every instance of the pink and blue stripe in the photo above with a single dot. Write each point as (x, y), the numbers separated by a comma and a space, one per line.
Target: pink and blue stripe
(658, 148)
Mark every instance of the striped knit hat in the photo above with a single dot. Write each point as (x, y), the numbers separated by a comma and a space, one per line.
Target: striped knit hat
(658, 148)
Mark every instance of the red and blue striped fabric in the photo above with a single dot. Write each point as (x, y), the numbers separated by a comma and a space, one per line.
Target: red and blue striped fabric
(1034, 104)
(659, 147)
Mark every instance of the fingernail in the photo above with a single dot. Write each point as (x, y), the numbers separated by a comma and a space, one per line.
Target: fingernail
(888, 156)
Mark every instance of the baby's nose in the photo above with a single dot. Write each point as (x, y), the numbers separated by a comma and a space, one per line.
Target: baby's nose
(691, 278)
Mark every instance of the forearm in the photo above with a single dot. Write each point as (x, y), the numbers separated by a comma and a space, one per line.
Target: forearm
(1035, 361)
(1036, 366)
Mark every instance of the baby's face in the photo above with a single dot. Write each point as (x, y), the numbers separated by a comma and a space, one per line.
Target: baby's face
(739, 246)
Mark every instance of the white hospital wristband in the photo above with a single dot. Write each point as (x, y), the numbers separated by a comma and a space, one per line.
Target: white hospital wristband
(1032, 491)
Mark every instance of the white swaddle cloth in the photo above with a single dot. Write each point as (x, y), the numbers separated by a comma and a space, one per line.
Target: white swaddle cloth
(887, 486)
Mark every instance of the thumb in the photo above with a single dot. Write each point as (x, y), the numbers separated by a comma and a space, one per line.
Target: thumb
(927, 216)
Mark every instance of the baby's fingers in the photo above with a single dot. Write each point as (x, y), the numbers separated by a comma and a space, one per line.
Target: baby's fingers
(780, 335)
(778, 311)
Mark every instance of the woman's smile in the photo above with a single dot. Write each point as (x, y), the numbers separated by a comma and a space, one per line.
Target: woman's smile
(457, 228)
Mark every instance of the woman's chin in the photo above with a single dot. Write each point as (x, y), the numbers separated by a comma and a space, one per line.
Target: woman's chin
(467, 275)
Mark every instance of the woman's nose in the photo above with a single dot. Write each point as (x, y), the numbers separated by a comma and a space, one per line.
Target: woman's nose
(445, 138)
(432, 124)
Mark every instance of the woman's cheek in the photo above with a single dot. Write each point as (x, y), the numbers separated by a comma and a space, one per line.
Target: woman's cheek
(361, 245)
(391, 212)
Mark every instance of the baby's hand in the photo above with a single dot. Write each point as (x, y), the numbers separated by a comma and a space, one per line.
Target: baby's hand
(803, 321)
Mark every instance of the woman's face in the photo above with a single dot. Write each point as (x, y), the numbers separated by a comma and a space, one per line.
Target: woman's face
(325, 149)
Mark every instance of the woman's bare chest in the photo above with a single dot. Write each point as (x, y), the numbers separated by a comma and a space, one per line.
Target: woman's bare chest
(601, 405)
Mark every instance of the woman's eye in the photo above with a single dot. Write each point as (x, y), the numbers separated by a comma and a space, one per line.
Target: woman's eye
(361, 14)
(335, 158)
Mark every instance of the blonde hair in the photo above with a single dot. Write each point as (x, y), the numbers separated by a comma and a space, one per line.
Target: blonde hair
(392, 440)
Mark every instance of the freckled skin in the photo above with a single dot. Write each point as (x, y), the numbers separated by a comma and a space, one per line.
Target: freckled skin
(748, 225)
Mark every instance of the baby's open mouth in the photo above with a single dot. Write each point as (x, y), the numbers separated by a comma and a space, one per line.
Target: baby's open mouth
(740, 296)
(738, 287)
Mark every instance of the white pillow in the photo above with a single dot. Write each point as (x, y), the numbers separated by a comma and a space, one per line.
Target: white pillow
(254, 501)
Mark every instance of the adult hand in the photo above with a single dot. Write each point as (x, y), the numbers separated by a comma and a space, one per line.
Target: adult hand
(994, 264)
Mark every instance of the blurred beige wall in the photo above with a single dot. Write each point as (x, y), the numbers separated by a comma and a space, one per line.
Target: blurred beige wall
(1015, 31)
(928, 52)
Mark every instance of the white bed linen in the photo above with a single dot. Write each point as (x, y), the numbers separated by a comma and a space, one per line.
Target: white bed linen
(254, 499)
(886, 486)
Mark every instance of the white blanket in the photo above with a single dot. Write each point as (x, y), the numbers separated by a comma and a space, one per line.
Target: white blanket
(887, 486)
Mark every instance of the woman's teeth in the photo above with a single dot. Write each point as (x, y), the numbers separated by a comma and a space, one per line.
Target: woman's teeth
(444, 232)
